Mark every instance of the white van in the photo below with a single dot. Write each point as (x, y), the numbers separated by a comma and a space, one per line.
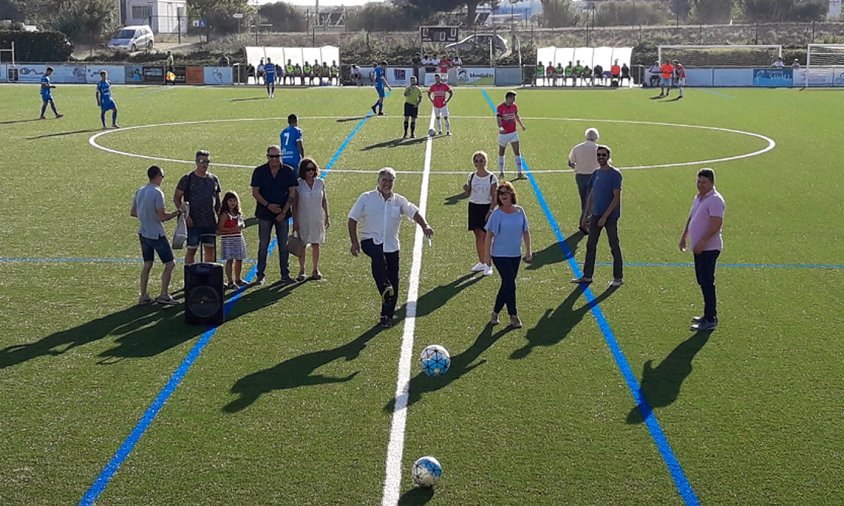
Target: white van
(132, 38)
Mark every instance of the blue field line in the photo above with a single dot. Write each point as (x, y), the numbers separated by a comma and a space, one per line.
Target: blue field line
(681, 482)
(128, 445)
(136, 260)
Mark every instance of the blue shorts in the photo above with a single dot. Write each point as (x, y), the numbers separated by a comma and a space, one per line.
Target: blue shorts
(664, 82)
(108, 105)
(151, 246)
(195, 233)
(47, 98)
(380, 90)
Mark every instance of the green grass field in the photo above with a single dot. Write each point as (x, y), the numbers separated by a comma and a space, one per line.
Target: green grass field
(291, 400)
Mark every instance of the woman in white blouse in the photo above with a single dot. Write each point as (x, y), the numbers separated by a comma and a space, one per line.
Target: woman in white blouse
(480, 189)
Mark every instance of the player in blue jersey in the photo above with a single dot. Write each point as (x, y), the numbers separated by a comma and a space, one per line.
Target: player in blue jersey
(105, 101)
(292, 146)
(269, 78)
(380, 82)
(47, 94)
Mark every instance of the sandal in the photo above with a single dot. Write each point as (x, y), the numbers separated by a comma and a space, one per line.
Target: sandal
(316, 275)
(229, 286)
(301, 276)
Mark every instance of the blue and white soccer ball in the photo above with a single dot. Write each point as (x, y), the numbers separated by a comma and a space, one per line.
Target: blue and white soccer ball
(435, 360)
(431, 132)
(426, 471)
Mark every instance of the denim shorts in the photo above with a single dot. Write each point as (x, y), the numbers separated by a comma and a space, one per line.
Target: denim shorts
(194, 234)
(151, 246)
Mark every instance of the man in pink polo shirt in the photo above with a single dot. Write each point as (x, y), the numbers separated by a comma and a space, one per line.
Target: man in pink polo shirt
(703, 230)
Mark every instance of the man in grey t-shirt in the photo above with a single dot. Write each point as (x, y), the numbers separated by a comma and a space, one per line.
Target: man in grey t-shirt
(148, 207)
(202, 190)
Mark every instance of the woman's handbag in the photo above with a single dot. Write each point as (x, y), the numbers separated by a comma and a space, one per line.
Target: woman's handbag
(295, 245)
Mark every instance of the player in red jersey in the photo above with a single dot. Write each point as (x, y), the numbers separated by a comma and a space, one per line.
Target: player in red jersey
(679, 76)
(440, 94)
(507, 115)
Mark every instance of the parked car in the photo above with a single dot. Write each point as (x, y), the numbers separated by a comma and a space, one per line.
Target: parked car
(132, 38)
(479, 40)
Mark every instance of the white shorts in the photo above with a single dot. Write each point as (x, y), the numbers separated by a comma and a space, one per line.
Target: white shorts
(441, 111)
(681, 81)
(504, 139)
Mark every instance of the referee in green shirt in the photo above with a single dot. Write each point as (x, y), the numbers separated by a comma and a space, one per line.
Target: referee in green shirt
(412, 98)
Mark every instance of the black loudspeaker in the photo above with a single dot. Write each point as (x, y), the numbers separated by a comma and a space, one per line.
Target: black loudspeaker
(204, 298)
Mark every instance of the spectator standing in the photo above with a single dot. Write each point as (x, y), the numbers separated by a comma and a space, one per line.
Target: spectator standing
(480, 189)
(584, 160)
(201, 189)
(274, 189)
(148, 207)
(703, 231)
(311, 217)
(666, 71)
(260, 74)
(654, 74)
(679, 77)
(380, 212)
(796, 64)
(605, 204)
(778, 64)
(230, 225)
(506, 229)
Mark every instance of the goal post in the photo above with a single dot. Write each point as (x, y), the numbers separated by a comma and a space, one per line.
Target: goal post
(761, 55)
(824, 66)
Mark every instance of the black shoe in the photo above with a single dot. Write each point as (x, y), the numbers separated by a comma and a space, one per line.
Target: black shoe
(260, 280)
(287, 280)
(374, 111)
(584, 230)
(386, 322)
(381, 113)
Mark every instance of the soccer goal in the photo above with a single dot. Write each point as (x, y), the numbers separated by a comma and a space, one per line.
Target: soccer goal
(824, 66)
(8, 55)
(722, 56)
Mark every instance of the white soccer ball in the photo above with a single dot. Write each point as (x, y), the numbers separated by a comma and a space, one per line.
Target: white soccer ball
(431, 132)
(426, 471)
(435, 360)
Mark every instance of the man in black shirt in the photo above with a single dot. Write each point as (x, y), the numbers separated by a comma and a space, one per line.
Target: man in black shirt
(274, 189)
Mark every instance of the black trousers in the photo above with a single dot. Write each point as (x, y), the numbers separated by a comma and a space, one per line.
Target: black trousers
(385, 272)
(508, 269)
(592, 247)
(705, 273)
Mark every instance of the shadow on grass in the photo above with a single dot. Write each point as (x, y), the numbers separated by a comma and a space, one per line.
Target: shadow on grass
(16, 121)
(555, 325)
(61, 134)
(351, 118)
(456, 198)
(248, 99)
(297, 372)
(435, 298)
(393, 143)
(170, 329)
(461, 364)
(416, 496)
(553, 253)
(660, 386)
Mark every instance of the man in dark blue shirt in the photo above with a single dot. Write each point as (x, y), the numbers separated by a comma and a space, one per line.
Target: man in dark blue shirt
(274, 189)
(605, 203)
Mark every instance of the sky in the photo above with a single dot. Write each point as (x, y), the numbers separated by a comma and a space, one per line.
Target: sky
(347, 3)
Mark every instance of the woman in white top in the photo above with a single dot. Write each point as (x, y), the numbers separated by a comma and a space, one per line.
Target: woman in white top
(480, 188)
(311, 216)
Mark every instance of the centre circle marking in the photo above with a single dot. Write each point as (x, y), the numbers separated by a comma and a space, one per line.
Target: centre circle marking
(771, 143)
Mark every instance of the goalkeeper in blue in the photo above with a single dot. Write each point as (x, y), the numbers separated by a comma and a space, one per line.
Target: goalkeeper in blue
(105, 101)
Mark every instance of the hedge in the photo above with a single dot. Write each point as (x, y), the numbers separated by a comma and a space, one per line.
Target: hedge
(37, 46)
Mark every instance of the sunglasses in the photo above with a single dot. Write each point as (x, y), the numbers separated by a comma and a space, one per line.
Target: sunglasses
(603, 154)
(504, 192)
(203, 162)
(273, 156)
(479, 160)
(310, 169)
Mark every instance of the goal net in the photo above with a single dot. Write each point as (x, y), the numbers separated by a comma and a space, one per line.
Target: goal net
(824, 66)
(722, 56)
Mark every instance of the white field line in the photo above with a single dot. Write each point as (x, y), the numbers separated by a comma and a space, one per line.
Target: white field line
(771, 144)
(395, 450)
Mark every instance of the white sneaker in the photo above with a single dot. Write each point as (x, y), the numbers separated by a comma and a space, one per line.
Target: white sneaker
(478, 267)
(487, 270)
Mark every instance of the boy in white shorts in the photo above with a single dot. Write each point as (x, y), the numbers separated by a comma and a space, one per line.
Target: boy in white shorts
(507, 115)
(440, 94)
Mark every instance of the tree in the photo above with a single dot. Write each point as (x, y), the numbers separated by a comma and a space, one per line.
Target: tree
(85, 20)
(427, 7)
(284, 17)
(557, 13)
(712, 11)
(681, 9)
(760, 11)
(219, 14)
(12, 9)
